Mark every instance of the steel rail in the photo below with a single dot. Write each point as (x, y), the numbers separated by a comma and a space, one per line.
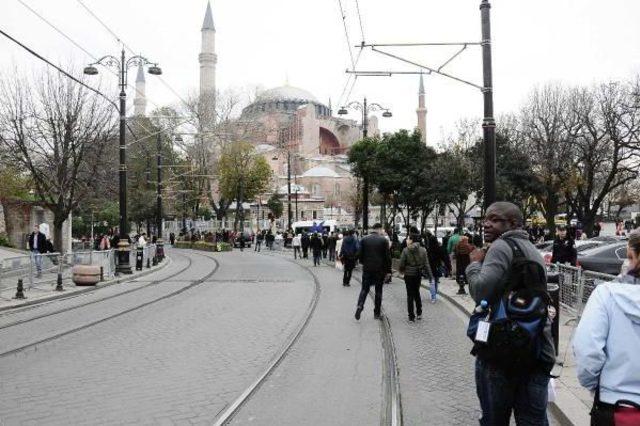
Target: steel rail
(193, 283)
(233, 409)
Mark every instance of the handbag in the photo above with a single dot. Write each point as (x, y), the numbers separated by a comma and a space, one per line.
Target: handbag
(622, 413)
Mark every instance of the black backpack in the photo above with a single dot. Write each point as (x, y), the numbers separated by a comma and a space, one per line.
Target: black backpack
(517, 319)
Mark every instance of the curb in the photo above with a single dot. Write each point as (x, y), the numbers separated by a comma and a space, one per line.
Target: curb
(89, 288)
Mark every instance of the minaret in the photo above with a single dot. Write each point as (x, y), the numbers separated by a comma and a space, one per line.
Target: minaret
(140, 100)
(208, 59)
(422, 112)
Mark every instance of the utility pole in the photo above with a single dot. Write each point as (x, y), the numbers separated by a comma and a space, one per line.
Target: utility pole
(488, 122)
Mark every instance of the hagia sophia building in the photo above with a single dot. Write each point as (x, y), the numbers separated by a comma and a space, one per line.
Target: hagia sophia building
(290, 120)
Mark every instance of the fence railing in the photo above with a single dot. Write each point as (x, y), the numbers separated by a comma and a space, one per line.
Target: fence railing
(576, 285)
(37, 271)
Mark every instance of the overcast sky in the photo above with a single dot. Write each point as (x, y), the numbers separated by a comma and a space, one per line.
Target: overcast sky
(262, 43)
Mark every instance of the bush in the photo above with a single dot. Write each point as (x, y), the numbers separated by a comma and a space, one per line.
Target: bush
(4, 241)
(204, 246)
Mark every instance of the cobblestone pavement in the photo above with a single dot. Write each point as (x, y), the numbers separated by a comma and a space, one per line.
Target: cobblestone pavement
(436, 369)
(178, 361)
(333, 374)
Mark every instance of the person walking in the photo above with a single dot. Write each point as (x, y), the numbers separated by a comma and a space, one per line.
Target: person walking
(241, 240)
(452, 242)
(607, 343)
(517, 385)
(259, 240)
(325, 245)
(270, 238)
(348, 255)
(462, 251)
(172, 239)
(37, 247)
(375, 258)
(437, 262)
(414, 263)
(564, 248)
(295, 243)
(331, 246)
(305, 244)
(316, 248)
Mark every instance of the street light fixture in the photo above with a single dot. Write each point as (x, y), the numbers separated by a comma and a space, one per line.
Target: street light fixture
(122, 65)
(365, 108)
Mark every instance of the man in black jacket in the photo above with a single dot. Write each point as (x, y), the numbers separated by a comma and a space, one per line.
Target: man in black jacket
(37, 246)
(375, 258)
(564, 248)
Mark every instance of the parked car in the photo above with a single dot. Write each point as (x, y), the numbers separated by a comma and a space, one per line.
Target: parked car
(607, 258)
(546, 248)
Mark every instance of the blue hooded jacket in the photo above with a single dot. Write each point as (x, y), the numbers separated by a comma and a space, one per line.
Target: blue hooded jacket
(607, 341)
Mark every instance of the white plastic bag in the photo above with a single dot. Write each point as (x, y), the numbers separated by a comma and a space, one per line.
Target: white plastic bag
(339, 265)
(551, 390)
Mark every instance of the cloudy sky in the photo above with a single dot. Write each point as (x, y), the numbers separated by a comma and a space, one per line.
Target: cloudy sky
(264, 43)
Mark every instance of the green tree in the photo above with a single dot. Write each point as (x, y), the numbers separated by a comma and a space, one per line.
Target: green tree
(362, 157)
(276, 205)
(242, 175)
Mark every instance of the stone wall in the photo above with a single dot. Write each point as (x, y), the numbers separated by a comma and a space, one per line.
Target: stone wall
(19, 217)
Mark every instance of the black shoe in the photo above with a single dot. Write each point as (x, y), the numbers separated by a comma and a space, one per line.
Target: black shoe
(358, 312)
(377, 316)
(412, 319)
(461, 291)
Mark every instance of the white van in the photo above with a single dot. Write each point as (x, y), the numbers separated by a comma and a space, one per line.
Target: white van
(317, 225)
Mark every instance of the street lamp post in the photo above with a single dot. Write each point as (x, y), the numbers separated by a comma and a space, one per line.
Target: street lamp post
(159, 241)
(123, 66)
(365, 108)
(488, 122)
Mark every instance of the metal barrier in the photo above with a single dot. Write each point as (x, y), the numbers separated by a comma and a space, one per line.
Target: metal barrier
(37, 271)
(576, 285)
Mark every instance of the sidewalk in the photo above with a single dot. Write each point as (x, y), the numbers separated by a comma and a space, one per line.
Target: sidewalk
(45, 291)
(573, 402)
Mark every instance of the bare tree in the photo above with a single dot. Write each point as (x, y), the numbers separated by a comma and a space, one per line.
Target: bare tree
(58, 131)
(545, 139)
(603, 125)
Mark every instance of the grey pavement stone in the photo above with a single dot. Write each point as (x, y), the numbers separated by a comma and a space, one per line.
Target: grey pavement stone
(332, 375)
(179, 360)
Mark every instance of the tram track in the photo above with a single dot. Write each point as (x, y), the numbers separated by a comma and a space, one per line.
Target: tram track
(231, 410)
(391, 401)
(71, 308)
(191, 285)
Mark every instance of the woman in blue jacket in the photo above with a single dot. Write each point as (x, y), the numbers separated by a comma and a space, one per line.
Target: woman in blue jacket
(607, 341)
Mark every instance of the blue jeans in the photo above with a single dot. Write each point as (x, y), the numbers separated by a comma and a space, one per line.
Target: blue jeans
(433, 288)
(500, 394)
(37, 257)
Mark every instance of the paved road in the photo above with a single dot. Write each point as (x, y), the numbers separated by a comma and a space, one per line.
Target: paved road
(333, 374)
(177, 361)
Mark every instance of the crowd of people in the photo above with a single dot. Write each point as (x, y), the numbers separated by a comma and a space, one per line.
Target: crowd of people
(511, 325)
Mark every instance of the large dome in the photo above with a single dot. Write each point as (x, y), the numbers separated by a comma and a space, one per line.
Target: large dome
(285, 99)
(286, 93)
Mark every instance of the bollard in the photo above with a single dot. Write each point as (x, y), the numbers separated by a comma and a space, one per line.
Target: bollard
(554, 292)
(20, 291)
(139, 258)
(102, 273)
(59, 283)
(148, 263)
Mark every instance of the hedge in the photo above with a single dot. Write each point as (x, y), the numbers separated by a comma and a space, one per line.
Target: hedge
(203, 245)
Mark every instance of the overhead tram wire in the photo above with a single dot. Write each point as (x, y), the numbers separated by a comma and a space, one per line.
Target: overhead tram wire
(348, 40)
(133, 52)
(91, 55)
(60, 70)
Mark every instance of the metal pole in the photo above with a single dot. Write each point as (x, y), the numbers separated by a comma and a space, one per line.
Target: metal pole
(289, 190)
(184, 212)
(365, 182)
(159, 189)
(124, 265)
(488, 123)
